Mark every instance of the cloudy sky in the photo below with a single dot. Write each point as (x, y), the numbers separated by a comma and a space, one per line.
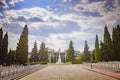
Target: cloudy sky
(56, 22)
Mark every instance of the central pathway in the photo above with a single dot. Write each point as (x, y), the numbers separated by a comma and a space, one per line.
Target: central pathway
(66, 72)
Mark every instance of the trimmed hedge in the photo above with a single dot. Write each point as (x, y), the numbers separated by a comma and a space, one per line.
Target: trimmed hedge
(77, 62)
(42, 63)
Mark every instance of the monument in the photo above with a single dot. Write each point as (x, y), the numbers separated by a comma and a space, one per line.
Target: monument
(59, 58)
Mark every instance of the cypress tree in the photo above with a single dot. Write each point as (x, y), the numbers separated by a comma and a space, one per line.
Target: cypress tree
(87, 55)
(116, 42)
(22, 47)
(34, 53)
(1, 34)
(107, 38)
(4, 48)
(97, 50)
(70, 53)
(43, 53)
(1, 37)
(11, 57)
(108, 56)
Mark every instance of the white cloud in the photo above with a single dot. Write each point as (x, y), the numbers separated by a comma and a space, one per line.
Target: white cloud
(28, 13)
(64, 1)
(91, 7)
(45, 15)
(48, 7)
(12, 2)
(12, 40)
(85, 1)
(61, 40)
(3, 4)
(1, 14)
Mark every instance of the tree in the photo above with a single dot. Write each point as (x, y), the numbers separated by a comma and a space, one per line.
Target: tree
(116, 42)
(107, 38)
(43, 53)
(70, 53)
(1, 38)
(108, 48)
(34, 54)
(1, 34)
(52, 59)
(22, 47)
(87, 55)
(11, 57)
(4, 48)
(102, 51)
(97, 50)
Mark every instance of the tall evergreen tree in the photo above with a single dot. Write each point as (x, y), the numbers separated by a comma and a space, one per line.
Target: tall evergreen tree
(34, 54)
(87, 55)
(43, 53)
(102, 51)
(1, 34)
(70, 53)
(97, 50)
(22, 48)
(108, 56)
(4, 48)
(107, 38)
(11, 57)
(116, 42)
(1, 38)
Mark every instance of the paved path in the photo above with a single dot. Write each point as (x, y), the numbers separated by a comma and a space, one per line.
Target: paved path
(66, 72)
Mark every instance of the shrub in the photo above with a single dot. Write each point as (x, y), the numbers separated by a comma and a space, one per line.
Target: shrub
(43, 62)
(77, 62)
(67, 63)
(93, 61)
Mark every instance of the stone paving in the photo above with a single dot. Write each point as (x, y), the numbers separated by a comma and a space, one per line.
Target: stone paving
(66, 72)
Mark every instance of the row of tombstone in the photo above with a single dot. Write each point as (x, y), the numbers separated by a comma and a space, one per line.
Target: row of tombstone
(111, 65)
(8, 72)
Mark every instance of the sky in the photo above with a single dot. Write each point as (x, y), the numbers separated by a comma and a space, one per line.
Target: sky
(56, 22)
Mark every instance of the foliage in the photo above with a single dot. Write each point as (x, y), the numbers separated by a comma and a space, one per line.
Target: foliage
(34, 54)
(116, 42)
(52, 59)
(97, 50)
(1, 37)
(77, 62)
(43, 62)
(67, 63)
(22, 47)
(3, 47)
(86, 54)
(11, 57)
(107, 47)
(43, 53)
(70, 53)
(33, 63)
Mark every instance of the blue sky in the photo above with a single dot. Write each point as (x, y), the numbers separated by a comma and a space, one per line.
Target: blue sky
(56, 22)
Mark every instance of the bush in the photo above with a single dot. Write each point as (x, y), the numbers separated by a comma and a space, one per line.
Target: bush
(33, 63)
(43, 62)
(93, 61)
(77, 62)
(67, 63)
